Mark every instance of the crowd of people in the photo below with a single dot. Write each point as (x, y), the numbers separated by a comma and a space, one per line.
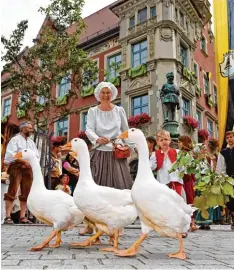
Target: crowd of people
(105, 122)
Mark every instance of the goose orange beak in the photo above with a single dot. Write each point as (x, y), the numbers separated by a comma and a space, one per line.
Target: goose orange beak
(18, 155)
(124, 135)
(67, 147)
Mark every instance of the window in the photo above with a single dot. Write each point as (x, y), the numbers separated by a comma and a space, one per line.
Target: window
(206, 84)
(113, 63)
(139, 53)
(41, 100)
(210, 128)
(6, 107)
(152, 12)
(176, 14)
(215, 95)
(64, 86)
(84, 120)
(183, 55)
(132, 21)
(23, 99)
(203, 44)
(199, 119)
(140, 105)
(62, 127)
(142, 15)
(185, 107)
(181, 19)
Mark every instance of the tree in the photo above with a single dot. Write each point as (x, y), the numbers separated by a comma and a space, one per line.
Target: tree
(54, 59)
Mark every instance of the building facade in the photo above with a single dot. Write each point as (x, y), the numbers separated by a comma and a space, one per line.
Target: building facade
(145, 40)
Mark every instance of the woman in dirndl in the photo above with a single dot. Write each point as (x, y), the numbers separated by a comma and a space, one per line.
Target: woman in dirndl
(105, 122)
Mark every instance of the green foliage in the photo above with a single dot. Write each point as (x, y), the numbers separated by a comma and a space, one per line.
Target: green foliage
(55, 55)
(213, 188)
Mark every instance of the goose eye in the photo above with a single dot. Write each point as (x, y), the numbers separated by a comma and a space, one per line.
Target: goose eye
(75, 140)
(25, 150)
(132, 129)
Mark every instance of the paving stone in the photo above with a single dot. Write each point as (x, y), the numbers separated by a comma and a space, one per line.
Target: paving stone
(205, 250)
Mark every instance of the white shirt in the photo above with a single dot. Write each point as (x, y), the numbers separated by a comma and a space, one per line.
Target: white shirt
(17, 144)
(109, 124)
(221, 164)
(162, 174)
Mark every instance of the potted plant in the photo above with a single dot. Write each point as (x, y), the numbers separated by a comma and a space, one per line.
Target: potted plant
(190, 122)
(139, 120)
(202, 135)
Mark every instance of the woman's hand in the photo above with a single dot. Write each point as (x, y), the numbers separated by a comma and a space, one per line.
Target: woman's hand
(103, 140)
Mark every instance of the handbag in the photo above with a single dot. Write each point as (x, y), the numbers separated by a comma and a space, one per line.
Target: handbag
(121, 152)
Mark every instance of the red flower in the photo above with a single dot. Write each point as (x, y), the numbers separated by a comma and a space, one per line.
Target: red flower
(138, 120)
(81, 134)
(190, 121)
(203, 133)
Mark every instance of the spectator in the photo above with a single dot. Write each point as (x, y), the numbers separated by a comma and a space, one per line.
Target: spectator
(56, 162)
(225, 164)
(20, 172)
(70, 167)
(63, 184)
(185, 144)
(151, 141)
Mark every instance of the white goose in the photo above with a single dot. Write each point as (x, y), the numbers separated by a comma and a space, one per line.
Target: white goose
(109, 210)
(53, 207)
(159, 208)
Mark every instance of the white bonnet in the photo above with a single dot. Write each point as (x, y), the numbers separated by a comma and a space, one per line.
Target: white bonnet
(109, 85)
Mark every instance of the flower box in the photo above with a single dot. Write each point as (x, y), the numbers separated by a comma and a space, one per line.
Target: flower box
(209, 101)
(20, 113)
(87, 91)
(139, 120)
(137, 71)
(4, 119)
(61, 100)
(203, 133)
(198, 91)
(115, 81)
(189, 75)
(190, 122)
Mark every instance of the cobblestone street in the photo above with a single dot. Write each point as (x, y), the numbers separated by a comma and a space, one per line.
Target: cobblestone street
(212, 249)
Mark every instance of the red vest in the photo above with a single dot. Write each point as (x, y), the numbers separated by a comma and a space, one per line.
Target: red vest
(172, 154)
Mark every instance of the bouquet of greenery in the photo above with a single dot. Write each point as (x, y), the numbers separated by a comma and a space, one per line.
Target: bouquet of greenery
(213, 188)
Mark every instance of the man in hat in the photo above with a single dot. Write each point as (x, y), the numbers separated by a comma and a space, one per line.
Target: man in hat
(169, 95)
(20, 172)
(225, 165)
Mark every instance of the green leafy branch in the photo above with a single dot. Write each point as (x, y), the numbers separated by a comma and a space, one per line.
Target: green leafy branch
(213, 189)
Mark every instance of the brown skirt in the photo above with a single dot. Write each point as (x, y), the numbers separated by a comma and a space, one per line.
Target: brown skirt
(109, 171)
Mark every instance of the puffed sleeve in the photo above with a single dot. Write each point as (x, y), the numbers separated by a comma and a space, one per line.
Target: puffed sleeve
(91, 126)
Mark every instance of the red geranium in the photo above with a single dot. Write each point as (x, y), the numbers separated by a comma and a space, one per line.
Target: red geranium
(203, 133)
(82, 135)
(138, 120)
(190, 121)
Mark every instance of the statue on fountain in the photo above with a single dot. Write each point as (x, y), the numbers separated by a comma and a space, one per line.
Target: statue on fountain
(169, 95)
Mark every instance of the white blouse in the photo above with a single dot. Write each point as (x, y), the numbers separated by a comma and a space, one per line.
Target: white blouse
(109, 124)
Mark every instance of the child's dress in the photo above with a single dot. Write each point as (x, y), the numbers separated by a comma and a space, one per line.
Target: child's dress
(61, 187)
